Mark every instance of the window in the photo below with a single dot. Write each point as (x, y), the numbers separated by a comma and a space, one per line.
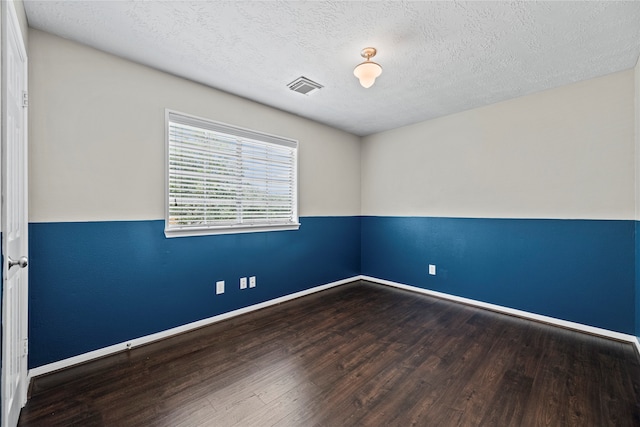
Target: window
(224, 179)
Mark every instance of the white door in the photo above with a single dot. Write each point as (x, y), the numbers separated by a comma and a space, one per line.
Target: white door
(14, 218)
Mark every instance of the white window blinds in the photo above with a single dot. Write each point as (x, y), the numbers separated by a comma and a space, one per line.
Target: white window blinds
(223, 179)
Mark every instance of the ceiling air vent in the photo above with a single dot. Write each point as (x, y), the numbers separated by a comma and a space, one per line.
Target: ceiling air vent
(304, 86)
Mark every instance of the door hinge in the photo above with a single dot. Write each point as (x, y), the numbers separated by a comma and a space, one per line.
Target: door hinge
(25, 99)
(25, 347)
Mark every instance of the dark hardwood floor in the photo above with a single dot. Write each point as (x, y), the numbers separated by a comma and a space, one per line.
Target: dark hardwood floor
(357, 355)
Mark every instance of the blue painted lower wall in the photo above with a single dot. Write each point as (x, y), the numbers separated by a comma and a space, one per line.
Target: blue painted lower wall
(577, 270)
(637, 279)
(94, 284)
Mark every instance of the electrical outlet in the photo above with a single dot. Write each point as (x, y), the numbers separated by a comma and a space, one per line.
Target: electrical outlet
(252, 281)
(432, 269)
(220, 287)
(243, 283)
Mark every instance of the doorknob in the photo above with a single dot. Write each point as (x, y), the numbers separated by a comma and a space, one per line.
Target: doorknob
(22, 262)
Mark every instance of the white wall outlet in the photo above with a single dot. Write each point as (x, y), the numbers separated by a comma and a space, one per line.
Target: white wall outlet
(432, 269)
(243, 283)
(220, 287)
(252, 281)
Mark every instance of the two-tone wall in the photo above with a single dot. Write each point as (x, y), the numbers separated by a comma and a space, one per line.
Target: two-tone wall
(637, 181)
(101, 270)
(527, 203)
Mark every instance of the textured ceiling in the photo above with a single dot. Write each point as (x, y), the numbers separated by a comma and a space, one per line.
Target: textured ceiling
(438, 58)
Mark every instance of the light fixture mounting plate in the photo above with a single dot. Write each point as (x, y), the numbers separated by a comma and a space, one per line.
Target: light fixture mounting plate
(368, 52)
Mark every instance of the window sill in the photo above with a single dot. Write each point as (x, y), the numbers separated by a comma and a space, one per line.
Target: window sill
(212, 231)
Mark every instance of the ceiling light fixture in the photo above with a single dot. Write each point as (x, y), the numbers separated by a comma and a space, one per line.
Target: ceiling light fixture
(368, 70)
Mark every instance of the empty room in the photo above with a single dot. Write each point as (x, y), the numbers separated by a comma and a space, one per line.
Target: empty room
(320, 213)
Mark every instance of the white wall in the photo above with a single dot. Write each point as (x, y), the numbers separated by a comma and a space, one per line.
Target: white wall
(636, 93)
(562, 153)
(97, 137)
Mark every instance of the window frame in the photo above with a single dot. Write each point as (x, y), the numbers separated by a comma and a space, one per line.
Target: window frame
(239, 132)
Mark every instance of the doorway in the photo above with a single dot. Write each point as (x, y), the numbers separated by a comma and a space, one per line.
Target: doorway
(14, 217)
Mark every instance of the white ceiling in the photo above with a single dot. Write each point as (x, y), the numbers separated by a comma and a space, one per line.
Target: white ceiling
(438, 58)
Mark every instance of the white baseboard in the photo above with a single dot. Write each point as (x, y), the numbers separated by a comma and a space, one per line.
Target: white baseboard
(637, 343)
(105, 351)
(513, 312)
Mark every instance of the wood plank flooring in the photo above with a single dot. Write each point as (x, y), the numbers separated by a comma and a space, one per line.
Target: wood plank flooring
(357, 355)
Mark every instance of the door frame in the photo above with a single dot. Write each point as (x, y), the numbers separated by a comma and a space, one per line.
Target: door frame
(11, 25)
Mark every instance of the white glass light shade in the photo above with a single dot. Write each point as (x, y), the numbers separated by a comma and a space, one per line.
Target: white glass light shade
(367, 73)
